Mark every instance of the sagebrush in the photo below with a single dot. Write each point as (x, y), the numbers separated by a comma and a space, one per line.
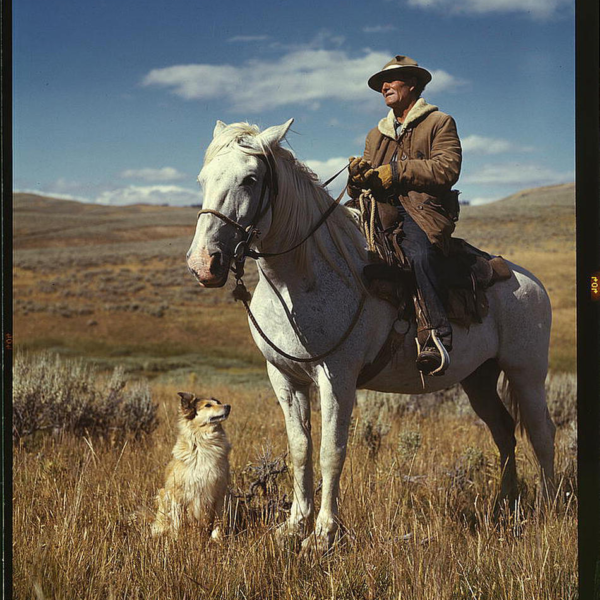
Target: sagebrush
(52, 394)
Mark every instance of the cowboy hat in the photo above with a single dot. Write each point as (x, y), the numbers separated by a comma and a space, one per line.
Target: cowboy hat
(401, 66)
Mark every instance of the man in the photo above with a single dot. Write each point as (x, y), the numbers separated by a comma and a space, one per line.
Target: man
(411, 160)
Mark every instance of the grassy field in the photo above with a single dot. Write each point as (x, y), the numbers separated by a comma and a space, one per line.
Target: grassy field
(110, 285)
(417, 510)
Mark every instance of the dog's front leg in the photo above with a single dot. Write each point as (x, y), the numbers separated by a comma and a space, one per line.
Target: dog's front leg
(295, 404)
(337, 401)
(176, 516)
(162, 520)
(217, 524)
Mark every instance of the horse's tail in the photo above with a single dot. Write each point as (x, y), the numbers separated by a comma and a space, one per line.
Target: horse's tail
(511, 401)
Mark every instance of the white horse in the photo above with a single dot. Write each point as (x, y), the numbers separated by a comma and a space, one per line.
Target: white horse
(308, 299)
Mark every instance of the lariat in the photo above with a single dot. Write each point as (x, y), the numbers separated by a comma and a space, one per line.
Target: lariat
(368, 206)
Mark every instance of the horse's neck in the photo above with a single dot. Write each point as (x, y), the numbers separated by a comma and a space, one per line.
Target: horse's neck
(285, 273)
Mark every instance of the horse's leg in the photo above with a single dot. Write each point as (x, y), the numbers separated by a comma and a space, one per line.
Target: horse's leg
(480, 387)
(337, 401)
(295, 404)
(528, 386)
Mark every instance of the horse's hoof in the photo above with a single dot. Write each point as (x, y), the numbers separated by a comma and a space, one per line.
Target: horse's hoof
(288, 537)
(317, 546)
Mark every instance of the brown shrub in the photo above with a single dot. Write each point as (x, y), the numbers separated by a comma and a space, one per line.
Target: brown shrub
(57, 395)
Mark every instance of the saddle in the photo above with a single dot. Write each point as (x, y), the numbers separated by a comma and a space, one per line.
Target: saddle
(473, 272)
(469, 272)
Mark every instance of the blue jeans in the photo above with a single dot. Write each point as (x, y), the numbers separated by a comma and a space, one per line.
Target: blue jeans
(428, 263)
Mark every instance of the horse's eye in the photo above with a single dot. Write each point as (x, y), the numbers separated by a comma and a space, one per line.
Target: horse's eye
(249, 180)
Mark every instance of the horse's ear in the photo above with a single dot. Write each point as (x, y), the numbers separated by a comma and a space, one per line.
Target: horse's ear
(275, 134)
(218, 128)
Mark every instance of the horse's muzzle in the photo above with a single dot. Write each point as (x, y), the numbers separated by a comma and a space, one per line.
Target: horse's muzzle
(211, 270)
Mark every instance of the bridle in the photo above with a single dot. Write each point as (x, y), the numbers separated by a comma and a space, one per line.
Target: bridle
(243, 250)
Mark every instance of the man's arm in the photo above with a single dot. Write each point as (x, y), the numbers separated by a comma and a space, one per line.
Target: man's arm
(440, 171)
(367, 154)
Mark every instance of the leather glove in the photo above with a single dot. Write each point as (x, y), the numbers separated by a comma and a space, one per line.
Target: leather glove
(357, 170)
(380, 178)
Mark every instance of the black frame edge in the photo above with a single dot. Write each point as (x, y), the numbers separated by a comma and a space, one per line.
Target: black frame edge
(7, 293)
(588, 309)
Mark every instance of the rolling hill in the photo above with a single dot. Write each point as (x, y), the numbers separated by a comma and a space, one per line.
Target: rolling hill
(111, 283)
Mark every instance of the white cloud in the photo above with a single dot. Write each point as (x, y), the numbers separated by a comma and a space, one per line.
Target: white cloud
(153, 194)
(119, 196)
(359, 141)
(303, 76)
(66, 188)
(517, 174)
(195, 82)
(488, 145)
(164, 174)
(379, 28)
(49, 194)
(479, 200)
(537, 9)
(248, 38)
(328, 168)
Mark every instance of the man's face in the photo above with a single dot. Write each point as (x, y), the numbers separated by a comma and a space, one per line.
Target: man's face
(398, 94)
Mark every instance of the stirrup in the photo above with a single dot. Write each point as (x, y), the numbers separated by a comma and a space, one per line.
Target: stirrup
(443, 355)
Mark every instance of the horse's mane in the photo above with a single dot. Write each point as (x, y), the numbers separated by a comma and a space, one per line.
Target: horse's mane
(301, 200)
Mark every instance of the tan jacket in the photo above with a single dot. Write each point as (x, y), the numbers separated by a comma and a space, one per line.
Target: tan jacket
(429, 156)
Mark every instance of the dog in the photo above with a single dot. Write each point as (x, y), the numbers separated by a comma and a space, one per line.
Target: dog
(198, 475)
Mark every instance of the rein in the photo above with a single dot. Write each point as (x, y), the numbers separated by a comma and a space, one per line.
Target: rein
(324, 217)
(241, 293)
(243, 250)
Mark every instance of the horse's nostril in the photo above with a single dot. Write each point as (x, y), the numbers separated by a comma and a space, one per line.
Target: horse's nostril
(215, 263)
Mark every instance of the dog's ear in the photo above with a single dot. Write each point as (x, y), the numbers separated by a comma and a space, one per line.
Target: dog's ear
(188, 404)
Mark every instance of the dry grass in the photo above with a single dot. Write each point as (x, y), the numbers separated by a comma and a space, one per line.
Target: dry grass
(418, 487)
(417, 517)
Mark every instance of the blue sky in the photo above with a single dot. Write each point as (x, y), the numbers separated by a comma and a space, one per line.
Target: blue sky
(115, 101)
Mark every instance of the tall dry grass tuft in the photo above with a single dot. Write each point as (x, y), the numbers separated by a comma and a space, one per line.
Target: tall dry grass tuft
(418, 517)
(51, 394)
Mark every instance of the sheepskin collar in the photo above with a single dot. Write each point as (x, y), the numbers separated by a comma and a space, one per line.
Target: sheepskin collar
(418, 111)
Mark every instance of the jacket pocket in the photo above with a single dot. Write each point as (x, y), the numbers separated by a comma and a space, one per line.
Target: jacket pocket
(422, 199)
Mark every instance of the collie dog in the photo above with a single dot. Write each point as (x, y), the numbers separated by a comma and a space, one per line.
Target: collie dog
(197, 476)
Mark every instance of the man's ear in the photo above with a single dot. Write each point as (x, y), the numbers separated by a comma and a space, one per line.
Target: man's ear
(188, 404)
(413, 83)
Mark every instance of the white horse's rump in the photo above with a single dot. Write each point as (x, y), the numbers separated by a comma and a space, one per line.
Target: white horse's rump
(305, 301)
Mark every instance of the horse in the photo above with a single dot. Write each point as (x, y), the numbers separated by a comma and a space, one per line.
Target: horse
(315, 322)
